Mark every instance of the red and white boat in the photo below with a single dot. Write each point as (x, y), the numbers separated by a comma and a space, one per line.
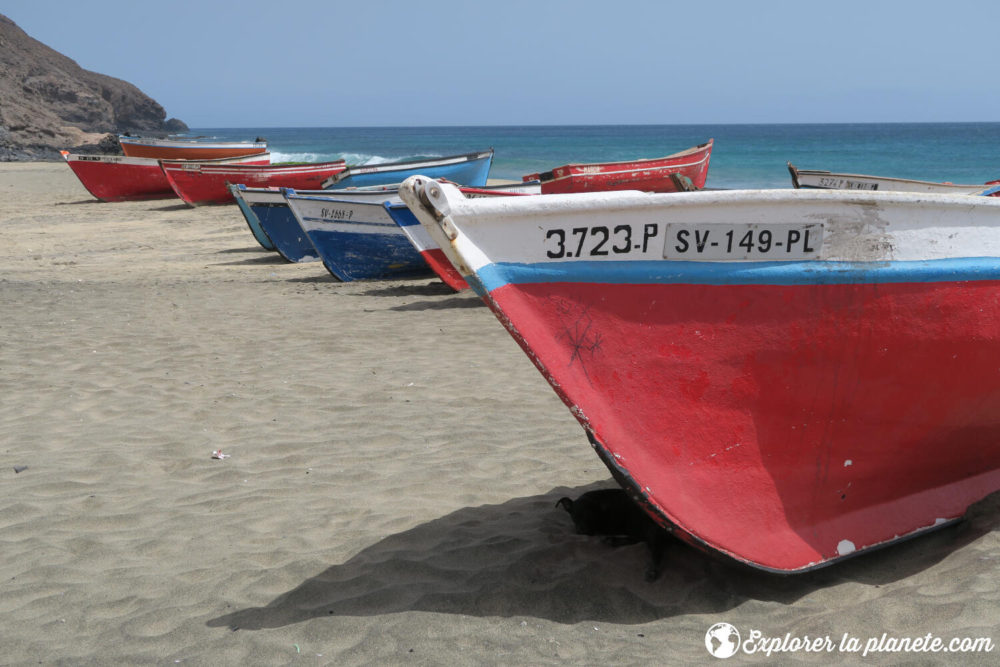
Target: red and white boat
(120, 178)
(200, 183)
(786, 377)
(686, 170)
(188, 149)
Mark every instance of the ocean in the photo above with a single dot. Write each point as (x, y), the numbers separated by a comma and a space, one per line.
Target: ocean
(744, 156)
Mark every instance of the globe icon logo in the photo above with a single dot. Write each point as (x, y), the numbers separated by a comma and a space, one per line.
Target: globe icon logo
(722, 640)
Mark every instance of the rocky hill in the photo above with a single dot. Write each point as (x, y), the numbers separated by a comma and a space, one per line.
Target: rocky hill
(48, 103)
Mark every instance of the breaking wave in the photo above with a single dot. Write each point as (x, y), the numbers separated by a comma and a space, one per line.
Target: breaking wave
(362, 159)
(277, 156)
(350, 158)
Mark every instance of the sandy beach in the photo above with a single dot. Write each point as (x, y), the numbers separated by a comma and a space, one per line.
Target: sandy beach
(394, 461)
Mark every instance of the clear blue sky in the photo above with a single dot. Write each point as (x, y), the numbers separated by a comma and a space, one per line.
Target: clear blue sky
(258, 63)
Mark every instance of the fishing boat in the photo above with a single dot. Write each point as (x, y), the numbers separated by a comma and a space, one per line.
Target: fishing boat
(430, 248)
(356, 239)
(278, 224)
(827, 180)
(251, 218)
(785, 377)
(198, 183)
(470, 169)
(188, 149)
(686, 170)
(114, 178)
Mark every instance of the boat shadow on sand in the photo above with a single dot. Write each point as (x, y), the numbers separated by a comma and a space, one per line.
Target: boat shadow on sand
(442, 296)
(522, 558)
(415, 287)
(268, 258)
(79, 202)
(172, 207)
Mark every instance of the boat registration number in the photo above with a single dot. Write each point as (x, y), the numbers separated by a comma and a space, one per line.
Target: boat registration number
(845, 184)
(336, 213)
(743, 241)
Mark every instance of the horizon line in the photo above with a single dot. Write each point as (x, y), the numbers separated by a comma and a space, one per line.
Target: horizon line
(359, 127)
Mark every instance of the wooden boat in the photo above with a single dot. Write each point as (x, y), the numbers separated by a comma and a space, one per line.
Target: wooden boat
(827, 180)
(188, 149)
(470, 169)
(251, 218)
(356, 239)
(785, 377)
(199, 183)
(429, 248)
(278, 224)
(113, 178)
(682, 171)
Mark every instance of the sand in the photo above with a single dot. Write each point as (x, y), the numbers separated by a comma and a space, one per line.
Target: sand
(390, 493)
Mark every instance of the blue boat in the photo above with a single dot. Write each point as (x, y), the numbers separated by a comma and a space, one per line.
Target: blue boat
(252, 222)
(356, 238)
(278, 223)
(470, 169)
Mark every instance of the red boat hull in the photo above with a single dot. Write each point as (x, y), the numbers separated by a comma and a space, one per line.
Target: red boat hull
(444, 269)
(209, 184)
(688, 168)
(112, 178)
(745, 400)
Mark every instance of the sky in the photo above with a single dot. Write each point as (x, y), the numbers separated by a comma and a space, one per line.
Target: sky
(303, 63)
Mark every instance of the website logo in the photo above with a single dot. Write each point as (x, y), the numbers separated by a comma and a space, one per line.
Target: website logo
(722, 640)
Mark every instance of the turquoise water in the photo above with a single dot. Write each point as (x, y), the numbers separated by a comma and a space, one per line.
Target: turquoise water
(744, 156)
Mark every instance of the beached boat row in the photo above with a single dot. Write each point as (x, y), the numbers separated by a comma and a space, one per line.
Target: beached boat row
(784, 377)
(200, 172)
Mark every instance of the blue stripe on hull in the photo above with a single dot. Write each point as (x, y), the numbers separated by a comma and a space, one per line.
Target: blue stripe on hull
(368, 256)
(254, 224)
(743, 273)
(473, 174)
(401, 215)
(284, 231)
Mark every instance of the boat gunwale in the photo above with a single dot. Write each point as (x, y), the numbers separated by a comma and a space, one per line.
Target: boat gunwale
(445, 160)
(188, 143)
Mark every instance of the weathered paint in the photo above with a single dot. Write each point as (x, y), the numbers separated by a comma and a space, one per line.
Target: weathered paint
(825, 180)
(429, 248)
(426, 246)
(277, 221)
(729, 394)
(173, 149)
(664, 174)
(468, 169)
(251, 218)
(200, 183)
(113, 178)
(357, 240)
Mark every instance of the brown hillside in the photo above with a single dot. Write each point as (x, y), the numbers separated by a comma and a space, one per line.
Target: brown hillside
(48, 102)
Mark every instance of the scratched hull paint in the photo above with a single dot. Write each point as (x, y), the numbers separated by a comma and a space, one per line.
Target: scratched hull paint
(112, 178)
(786, 405)
(251, 218)
(280, 226)
(175, 149)
(649, 175)
(357, 240)
(199, 183)
(813, 178)
(471, 169)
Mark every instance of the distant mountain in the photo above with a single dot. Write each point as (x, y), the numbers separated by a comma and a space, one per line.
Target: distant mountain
(48, 103)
